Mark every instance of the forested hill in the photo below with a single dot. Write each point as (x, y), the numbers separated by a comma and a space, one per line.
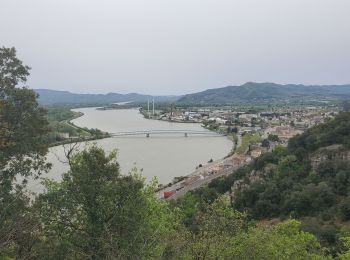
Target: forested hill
(309, 180)
(50, 97)
(264, 91)
(248, 92)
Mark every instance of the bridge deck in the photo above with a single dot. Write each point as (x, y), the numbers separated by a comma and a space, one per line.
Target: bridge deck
(163, 132)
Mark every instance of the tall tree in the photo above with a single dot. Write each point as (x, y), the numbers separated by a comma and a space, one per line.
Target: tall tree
(97, 213)
(23, 132)
(23, 125)
(218, 225)
(282, 241)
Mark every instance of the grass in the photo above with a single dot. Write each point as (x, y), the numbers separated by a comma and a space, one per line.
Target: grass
(247, 139)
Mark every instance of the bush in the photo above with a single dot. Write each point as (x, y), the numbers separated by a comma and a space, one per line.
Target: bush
(344, 208)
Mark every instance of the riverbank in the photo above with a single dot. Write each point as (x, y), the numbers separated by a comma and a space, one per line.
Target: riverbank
(66, 132)
(203, 175)
(164, 157)
(166, 119)
(232, 137)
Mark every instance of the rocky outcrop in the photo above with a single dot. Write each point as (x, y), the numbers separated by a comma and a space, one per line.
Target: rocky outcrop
(332, 152)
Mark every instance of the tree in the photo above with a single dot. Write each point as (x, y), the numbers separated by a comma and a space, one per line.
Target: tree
(346, 252)
(344, 208)
(265, 143)
(289, 166)
(23, 146)
(224, 233)
(279, 150)
(282, 241)
(312, 198)
(188, 204)
(273, 138)
(97, 213)
(23, 125)
(218, 226)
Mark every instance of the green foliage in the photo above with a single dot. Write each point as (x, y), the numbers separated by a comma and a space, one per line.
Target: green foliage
(224, 233)
(284, 183)
(23, 145)
(96, 212)
(60, 113)
(189, 206)
(273, 138)
(325, 231)
(218, 225)
(23, 125)
(345, 254)
(252, 92)
(247, 139)
(309, 200)
(283, 241)
(265, 159)
(265, 143)
(291, 188)
(59, 117)
(345, 209)
(279, 151)
(333, 132)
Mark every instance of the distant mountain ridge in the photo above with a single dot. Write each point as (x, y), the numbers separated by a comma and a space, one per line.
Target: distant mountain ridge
(252, 91)
(248, 92)
(51, 97)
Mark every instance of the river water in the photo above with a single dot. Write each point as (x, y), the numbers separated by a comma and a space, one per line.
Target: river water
(162, 156)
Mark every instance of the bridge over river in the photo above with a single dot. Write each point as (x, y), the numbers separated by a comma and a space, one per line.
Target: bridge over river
(184, 133)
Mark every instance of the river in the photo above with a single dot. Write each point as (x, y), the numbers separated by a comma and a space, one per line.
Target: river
(162, 156)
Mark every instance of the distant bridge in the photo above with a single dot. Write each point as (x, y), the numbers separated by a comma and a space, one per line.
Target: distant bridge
(184, 133)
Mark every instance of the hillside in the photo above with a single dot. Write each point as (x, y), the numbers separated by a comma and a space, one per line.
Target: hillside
(309, 180)
(264, 92)
(50, 97)
(249, 92)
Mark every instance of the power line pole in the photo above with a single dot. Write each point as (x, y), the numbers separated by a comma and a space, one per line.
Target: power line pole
(153, 108)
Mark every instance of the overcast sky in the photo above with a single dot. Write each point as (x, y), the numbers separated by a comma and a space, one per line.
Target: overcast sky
(177, 46)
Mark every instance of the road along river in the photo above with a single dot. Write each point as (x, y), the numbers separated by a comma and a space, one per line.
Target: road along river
(164, 156)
